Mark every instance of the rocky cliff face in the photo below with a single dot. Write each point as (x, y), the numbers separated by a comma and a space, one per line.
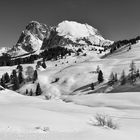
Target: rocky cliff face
(75, 34)
(38, 36)
(30, 39)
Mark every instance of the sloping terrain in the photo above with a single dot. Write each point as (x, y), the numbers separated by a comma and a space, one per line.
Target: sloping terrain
(69, 79)
(25, 118)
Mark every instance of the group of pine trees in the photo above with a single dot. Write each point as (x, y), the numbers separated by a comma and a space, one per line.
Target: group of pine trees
(121, 43)
(37, 92)
(48, 54)
(112, 79)
(100, 77)
(7, 60)
(55, 53)
(131, 78)
(16, 79)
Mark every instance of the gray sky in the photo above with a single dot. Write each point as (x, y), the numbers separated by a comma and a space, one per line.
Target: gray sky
(115, 19)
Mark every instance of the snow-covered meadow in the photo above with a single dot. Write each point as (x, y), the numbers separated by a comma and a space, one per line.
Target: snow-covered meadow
(70, 111)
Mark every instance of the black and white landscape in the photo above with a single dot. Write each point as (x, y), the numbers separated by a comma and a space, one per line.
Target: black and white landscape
(69, 82)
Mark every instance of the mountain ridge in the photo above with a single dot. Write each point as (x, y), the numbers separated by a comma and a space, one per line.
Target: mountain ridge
(66, 32)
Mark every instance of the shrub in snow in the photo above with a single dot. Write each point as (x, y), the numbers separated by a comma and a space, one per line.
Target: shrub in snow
(47, 97)
(104, 121)
(45, 129)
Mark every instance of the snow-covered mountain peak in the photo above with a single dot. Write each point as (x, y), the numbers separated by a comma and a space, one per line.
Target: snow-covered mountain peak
(37, 37)
(3, 50)
(72, 29)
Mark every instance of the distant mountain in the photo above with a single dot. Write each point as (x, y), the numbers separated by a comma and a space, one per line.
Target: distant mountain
(30, 39)
(77, 31)
(75, 34)
(37, 37)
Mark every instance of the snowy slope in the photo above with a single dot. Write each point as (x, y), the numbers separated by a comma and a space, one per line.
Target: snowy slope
(30, 118)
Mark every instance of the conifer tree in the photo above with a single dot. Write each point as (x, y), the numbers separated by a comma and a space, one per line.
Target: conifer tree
(2, 82)
(100, 77)
(132, 72)
(12, 75)
(38, 90)
(92, 86)
(15, 81)
(44, 65)
(123, 78)
(31, 92)
(20, 68)
(20, 77)
(6, 77)
(116, 77)
(35, 76)
(138, 73)
(111, 79)
(26, 92)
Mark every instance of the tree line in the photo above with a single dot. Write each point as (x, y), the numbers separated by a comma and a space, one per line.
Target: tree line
(121, 43)
(16, 79)
(49, 54)
(131, 77)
